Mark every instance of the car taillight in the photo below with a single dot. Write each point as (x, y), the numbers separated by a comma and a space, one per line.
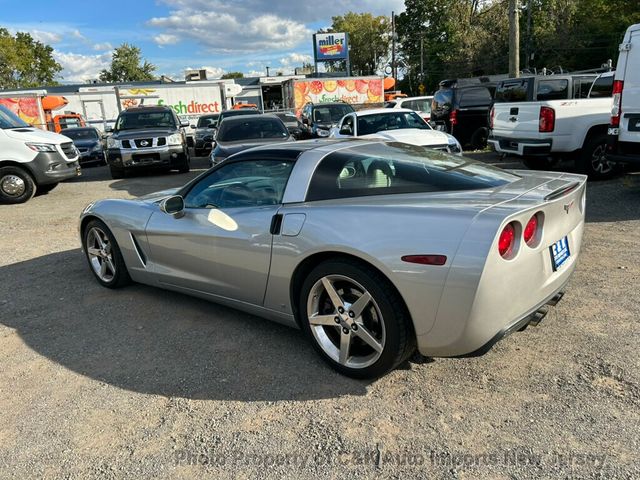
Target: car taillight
(547, 120)
(616, 108)
(530, 230)
(491, 117)
(453, 118)
(506, 240)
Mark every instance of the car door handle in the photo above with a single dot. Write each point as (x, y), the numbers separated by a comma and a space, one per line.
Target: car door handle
(513, 119)
(276, 224)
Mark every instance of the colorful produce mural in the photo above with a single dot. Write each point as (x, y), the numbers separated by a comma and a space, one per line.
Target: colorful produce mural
(27, 108)
(353, 90)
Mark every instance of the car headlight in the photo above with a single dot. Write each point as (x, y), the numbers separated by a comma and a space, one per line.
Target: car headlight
(41, 147)
(96, 148)
(175, 139)
(322, 133)
(113, 143)
(454, 146)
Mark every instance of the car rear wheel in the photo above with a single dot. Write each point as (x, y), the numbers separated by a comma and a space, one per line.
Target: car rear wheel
(104, 256)
(479, 138)
(592, 160)
(16, 185)
(355, 320)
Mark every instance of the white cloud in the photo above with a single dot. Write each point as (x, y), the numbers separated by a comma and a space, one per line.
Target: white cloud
(79, 68)
(166, 39)
(75, 33)
(46, 37)
(295, 59)
(100, 47)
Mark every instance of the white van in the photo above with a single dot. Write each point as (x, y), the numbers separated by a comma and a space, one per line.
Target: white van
(32, 159)
(623, 143)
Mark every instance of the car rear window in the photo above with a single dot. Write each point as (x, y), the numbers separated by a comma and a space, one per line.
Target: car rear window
(581, 86)
(419, 105)
(513, 91)
(552, 90)
(602, 87)
(442, 99)
(474, 97)
(395, 168)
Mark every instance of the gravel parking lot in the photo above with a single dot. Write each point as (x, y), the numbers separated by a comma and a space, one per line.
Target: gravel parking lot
(144, 383)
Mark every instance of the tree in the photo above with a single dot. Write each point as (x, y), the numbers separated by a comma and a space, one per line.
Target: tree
(127, 65)
(229, 75)
(25, 62)
(369, 39)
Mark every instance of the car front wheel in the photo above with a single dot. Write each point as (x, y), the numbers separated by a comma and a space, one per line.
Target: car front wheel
(104, 256)
(355, 319)
(16, 185)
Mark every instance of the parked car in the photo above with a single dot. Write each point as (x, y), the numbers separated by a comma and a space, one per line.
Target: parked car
(623, 139)
(463, 111)
(371, 248)
(319, 118)
(398, 124)
(32, 159)
(551, 127)
(147, 137)
(234, 113)
(90, 143)
(239, 133)
(292, 123)
(205, 133)
(421, 105)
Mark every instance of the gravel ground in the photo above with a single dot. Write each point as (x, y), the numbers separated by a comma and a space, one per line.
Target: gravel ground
(145, 383)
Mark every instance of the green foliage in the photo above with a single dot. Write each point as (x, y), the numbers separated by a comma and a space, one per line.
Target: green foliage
(369, 41)
(127, 66)
(232, 75)
(25, 62)
(464, 38)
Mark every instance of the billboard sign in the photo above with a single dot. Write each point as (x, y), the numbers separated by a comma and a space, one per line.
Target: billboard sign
(330, 46)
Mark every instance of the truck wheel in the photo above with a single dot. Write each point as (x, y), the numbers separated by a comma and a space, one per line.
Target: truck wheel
(42, 189)
(592, 160)
(479, 138)
(116, 173)
(186, 164)
(16, 185)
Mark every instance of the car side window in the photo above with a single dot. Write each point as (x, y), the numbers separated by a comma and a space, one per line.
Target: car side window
(475, 97)
(248, 183)
(552, 90)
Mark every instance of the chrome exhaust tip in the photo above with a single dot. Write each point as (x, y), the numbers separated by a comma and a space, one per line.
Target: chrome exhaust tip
(555, 299)
(538, 315)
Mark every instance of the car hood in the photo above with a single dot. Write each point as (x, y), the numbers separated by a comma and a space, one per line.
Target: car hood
(144, 133)
(414, 136)
(229, 148)
(85, 143)
(157, 196)
(205, 131)
(30, 134)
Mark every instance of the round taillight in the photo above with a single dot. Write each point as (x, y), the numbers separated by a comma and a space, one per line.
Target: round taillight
(506, 240)
(530, 230)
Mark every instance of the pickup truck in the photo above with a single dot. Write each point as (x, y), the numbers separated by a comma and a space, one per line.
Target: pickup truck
(555, 126)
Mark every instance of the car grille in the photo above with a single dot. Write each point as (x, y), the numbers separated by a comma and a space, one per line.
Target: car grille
(83, 149)
(143, 142)
(69, 150)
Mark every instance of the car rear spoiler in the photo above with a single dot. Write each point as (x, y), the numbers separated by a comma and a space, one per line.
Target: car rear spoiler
(561, 191)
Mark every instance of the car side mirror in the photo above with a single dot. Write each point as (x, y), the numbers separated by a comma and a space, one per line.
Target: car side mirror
(193, 126)
(184, 124)
(346, 130)
(173, 205)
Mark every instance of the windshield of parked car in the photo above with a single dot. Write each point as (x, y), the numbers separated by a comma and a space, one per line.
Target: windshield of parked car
(208, 121)
(250, 129)
(80, 134)
(330, 113)
(135, 120)
(287, 117)
(368, 124)
(8, 119)
(394, 168)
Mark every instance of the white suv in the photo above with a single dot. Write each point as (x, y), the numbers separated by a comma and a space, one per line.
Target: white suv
(623, 143)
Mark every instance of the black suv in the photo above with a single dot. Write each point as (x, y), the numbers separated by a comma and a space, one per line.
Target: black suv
(147, 137)
(463, 111)
(318, 118)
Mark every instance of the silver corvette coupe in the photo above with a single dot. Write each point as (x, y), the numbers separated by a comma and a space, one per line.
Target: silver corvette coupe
(372, 248)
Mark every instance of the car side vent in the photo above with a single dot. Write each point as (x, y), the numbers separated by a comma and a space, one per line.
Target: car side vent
(561, 191)
(139, 251)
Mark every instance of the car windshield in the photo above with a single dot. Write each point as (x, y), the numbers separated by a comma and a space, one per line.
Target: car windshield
(135, 120)
(330, 113)
(287, 117)
(368, 124)
(395, 168)
(8, 119)
(208, 122)
(80, 134)
(251, 129)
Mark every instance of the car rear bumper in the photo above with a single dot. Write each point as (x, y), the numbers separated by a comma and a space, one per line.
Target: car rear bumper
(522, 147)
(166, 156)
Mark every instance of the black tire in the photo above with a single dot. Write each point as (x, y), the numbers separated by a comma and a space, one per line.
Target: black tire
(43, 189)
(12, 178)
(121, 276)
(400, 338)
(539, 163)
(592, 160)
(186, 164)
(479, 138)
(116, 173)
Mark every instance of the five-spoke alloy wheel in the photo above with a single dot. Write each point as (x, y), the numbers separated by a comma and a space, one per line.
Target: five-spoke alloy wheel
(104, 256)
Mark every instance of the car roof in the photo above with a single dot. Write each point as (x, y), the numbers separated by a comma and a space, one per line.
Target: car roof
(148, 109)
(377, 111)
(244, 118)
(420, 97)
(79, 128)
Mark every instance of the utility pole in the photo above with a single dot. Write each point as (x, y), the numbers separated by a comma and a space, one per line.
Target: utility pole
(514, 40)
(394, 69)
(267, 71)
(528, 44)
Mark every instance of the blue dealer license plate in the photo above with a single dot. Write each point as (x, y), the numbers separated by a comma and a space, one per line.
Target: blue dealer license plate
(559, 253)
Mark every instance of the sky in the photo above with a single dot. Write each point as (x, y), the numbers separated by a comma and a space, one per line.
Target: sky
(219, 35)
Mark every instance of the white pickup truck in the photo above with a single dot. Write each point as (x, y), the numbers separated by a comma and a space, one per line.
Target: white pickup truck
(556, 124)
